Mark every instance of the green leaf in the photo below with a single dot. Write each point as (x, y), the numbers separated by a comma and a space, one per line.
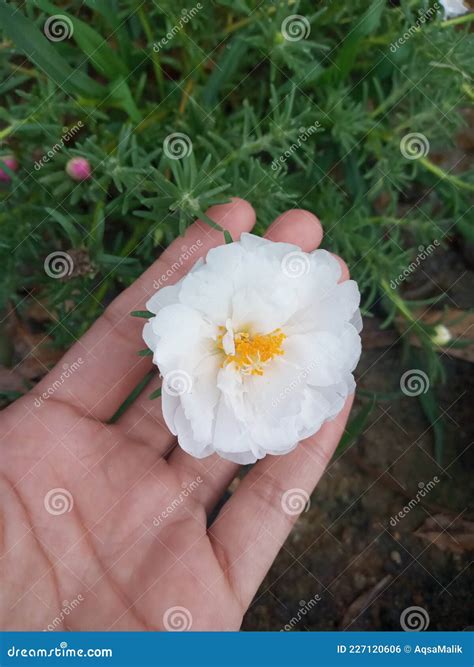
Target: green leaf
(429, 404)
(117, 260)
(104, 59)
(212, 224)
(13, 82)
(120, 94)
(155, 394)
(142, 313)
(68, 226)
(36, 47)
(145, 353)
(98, 226)
(226, 66)
(365, 25)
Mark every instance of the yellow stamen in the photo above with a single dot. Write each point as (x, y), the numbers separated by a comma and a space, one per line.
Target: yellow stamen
(253, 352)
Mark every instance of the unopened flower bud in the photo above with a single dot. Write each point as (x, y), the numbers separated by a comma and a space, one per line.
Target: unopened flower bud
(11, 162)
(78, 168)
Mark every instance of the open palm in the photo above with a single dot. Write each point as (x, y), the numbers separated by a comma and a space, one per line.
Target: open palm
(105, 526)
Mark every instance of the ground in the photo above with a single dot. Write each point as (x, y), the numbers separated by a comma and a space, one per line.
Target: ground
(344, 548)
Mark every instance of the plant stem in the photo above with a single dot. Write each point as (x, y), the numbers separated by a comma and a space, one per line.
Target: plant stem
(444, 176)
(458, 20)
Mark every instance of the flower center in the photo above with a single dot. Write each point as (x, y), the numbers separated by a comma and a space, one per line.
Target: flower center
(251, 353)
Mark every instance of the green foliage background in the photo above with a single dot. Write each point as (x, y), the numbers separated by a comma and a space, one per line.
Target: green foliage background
(242, 93)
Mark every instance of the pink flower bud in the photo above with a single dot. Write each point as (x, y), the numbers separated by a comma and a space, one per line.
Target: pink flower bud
(78, 168)
(11, 162)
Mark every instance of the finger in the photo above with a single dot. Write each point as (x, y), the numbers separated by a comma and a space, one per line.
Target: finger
(105, 359)
(345, 275)
(253, 525)
(294, 226)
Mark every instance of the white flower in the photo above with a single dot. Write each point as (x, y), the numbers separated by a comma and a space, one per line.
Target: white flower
(441, 335)
(256, 346)
(453, 7)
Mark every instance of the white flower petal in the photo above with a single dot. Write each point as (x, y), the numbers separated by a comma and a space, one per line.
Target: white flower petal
(183, 337)
(170, 404)
(149, 336)
(166, 296)
(186, 438)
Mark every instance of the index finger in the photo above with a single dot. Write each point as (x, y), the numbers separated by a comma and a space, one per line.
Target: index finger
(109, 366)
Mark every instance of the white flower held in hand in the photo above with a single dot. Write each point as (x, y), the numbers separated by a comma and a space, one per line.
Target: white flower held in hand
(256, 346)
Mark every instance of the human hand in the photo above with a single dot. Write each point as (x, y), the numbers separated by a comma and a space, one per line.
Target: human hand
(133, 550)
